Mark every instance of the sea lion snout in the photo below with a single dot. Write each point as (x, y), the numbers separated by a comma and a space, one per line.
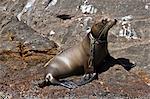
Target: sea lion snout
(113, 21)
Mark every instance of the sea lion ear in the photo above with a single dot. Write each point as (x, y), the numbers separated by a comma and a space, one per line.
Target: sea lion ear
(103, 21)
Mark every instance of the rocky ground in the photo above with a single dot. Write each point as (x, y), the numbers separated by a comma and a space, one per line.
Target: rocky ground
(26, 45)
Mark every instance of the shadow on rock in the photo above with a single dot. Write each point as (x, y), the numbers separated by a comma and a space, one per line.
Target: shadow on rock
(111, 61)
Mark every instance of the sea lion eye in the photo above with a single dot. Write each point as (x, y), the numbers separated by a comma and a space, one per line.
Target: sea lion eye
(104, 21)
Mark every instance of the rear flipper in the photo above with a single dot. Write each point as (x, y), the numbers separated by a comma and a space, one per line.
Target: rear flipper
(87, 78)
(52, 81)
(68, 84)
(65, 83)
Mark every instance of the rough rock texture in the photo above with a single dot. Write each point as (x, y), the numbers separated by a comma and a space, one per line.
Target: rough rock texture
(27, 45)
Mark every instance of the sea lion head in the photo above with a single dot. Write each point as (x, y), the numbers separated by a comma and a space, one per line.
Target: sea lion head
(100, 29)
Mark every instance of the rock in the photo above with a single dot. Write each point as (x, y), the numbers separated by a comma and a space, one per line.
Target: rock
(142, 73)
(118, 80)
(24, 49)
(21, 46)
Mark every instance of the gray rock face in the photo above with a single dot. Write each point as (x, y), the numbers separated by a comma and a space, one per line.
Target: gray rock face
(26, 45)
(15, 31)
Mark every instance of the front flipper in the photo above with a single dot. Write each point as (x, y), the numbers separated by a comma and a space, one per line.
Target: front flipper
(87, 78)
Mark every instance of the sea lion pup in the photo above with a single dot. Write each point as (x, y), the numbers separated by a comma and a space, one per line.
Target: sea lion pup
(75, 60)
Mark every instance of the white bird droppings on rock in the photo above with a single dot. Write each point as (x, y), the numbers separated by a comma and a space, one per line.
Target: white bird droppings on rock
(27, 8)
(87, 8)
(127, 18)
(51, 33)
(147, 6)
(49, 3)
(84, 23)
(126, 29)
